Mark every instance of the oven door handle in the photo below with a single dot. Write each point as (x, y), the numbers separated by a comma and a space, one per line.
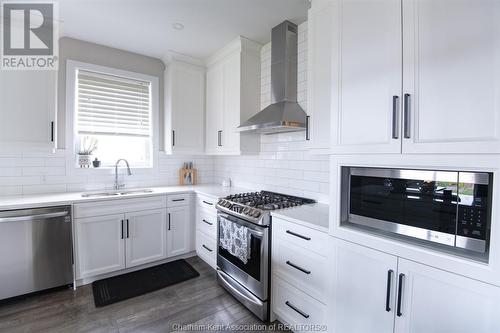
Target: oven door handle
(225, 278)
(251, 230)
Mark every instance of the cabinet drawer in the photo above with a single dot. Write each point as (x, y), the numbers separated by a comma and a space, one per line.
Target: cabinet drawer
(206, 202)
(302, 268)
(175, 200)
(295, 307)
(205, 248)
(118, 206)
(206, 221)
(307, 238)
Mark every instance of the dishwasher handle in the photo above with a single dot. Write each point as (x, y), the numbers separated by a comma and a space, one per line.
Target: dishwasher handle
(32, 217)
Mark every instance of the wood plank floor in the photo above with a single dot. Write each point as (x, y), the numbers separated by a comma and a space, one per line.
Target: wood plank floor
(200, 301)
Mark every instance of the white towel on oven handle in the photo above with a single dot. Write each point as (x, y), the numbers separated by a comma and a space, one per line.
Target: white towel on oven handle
(235, 239)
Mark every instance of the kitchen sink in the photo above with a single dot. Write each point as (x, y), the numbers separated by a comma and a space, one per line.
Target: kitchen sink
(115, 193)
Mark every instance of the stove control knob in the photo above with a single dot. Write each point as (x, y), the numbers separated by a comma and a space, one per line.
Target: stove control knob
(255, 213)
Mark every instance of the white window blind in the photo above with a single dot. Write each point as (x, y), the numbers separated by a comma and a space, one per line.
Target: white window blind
(112, 105)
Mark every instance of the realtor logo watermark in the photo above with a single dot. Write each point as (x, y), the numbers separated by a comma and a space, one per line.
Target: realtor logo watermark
(29, 36)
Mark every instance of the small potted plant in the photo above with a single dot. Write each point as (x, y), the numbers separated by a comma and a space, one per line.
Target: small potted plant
(87, 146)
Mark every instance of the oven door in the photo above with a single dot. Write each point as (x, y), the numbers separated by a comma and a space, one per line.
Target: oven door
(254, 274)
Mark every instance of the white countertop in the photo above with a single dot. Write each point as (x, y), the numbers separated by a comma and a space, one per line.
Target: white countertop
(57, 199)
(315, 216)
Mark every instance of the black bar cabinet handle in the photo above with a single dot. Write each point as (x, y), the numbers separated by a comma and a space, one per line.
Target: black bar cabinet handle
(207, 248)
(407, 122)
(388, 296)
(168, 221)
(208, 203)
(395, 118)
(400, 294)
(175, 200)
(173, 138)
(298, 235)
(219, 138)
(122, 229)
(52, 131)
(128, 235)
(209, 223)
(307, 128)
(294, 308)
(303, 270)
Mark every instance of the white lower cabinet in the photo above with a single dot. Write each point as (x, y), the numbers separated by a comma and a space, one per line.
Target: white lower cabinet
(99, 245)
(178, 230)
(300, 279)
(146, 237)
(377, 292)
(206, 229)
(118, 234)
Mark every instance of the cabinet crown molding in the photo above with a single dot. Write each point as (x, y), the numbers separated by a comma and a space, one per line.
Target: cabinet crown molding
(237, 45)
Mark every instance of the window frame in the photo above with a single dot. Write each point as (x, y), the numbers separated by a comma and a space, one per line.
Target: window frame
(71, 95)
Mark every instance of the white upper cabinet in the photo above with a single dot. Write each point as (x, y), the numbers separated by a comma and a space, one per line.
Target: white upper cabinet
(366, 81)
(320, 25)
(27, 109)
(233, 96)
(451, 69)
(423, 84)
(184, 108)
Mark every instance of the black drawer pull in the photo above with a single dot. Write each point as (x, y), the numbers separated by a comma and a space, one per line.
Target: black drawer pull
(298, 235)
(298, 267)
(291, 306)
(207, 248)
(388, 295)
(209, 223)
(208, 203)
(400, 294)
(175, 200)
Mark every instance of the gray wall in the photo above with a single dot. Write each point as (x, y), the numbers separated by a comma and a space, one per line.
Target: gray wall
(79, 50)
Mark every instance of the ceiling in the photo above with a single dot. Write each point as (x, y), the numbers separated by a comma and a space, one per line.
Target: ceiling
(146, 26)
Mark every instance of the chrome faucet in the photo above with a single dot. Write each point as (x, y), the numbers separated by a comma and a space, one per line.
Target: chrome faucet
(117, 184)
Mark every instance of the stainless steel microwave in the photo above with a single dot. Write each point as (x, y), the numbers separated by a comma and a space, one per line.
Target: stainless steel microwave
(452, 208)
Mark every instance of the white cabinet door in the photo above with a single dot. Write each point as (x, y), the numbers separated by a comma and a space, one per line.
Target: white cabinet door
(215, 107)
(320, 24)
(364, 289)
(367, 71)
(146, 236)
(99, 245)
(230, 137)
(27, 108)
(179, 230)
(185, 107)
(435, 301)
(451, 69)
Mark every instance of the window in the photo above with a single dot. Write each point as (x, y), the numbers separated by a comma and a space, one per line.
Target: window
(117, 112)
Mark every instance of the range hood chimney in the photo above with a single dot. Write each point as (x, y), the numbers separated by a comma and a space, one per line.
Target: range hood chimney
(284, 114)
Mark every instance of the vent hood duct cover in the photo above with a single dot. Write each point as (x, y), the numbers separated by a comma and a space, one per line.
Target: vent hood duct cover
(284, 114)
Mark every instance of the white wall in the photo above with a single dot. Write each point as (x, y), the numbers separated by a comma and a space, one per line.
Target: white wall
(283, 165)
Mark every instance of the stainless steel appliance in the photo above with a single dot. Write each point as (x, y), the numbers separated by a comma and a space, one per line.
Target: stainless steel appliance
(249, 281)
(36, 250)
(284, 114)
(452, 208)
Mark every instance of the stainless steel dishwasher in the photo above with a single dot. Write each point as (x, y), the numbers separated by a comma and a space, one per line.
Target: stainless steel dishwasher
(35, 250)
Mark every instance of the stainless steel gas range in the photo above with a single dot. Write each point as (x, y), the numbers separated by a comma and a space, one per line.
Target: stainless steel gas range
(243, 245)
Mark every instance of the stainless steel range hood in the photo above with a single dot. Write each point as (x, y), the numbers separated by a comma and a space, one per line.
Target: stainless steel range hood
(284, 114)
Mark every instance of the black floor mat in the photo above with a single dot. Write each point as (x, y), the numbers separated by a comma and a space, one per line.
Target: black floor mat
(122, 287)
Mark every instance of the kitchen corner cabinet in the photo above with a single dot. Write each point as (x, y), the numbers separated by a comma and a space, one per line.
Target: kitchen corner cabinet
(421, 82)
(377, 292)
(233, 96)
(184, 108)
(319, 77)
(28, 109)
